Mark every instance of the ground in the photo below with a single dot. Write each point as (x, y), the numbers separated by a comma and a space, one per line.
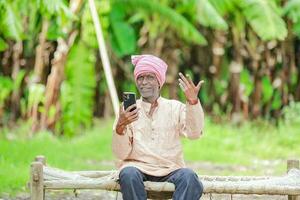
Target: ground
(105, 195)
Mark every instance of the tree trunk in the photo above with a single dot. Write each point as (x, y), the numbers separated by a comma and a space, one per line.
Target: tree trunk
(54, 81)
(256, 110)
(57, 74)
(6, 60)
(15, 98)
(40, 53)
(235, 69)
(289, 62)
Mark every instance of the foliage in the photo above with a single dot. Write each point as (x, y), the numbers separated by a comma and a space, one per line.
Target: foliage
(123, 37)
(10, 21)
(247, 31)
(264, 13)
(291, 114)
(176, 21)
(6, 85)
(292, 11)
(208, 15)
(78, 91)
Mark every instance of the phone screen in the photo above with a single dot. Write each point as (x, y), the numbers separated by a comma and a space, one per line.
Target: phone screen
(129, 99)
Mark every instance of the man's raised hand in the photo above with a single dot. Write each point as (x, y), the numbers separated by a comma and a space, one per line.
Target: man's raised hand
(126, 117)
(189, 88)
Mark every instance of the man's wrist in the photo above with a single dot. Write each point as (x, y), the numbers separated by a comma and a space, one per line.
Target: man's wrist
(192, 101)
(120, 129)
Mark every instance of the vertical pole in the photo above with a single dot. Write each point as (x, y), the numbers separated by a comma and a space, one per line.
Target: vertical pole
(37, 181)
(40, 159)
(290, 165)
(104, 58)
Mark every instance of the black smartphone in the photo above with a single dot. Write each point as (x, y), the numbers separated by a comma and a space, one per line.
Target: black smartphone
(129, 99)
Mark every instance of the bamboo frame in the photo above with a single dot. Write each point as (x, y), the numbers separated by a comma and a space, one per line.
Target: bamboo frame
(47, 178)
(292, 164)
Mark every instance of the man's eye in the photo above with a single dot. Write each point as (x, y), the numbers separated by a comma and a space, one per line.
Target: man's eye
(150, 78)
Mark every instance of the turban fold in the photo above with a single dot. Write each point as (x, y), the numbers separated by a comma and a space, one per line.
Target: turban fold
(149, 63)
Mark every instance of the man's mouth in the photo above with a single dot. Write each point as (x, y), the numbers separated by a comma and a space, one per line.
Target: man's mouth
(145, 88)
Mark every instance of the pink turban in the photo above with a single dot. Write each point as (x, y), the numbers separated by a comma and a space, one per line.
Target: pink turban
(149, 63)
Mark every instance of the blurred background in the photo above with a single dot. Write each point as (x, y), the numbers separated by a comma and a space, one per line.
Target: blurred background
(54, 96)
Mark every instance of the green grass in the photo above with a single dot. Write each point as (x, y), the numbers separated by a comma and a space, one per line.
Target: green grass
(243, 145)
(220, 144)
(84, 152)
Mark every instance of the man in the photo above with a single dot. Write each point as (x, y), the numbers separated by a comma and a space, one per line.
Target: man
(147, 139)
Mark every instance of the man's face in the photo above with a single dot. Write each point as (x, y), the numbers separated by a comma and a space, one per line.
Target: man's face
(148, 85)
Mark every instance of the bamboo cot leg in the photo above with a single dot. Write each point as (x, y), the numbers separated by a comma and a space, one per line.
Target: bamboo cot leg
(290, 165)
(37, 181)
(41, 159)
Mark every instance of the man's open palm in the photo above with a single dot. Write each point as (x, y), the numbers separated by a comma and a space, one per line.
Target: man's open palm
(189, 88)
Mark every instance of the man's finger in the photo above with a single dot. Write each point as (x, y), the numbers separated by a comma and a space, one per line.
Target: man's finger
(190, 80)
(135, 116)
(199, 84)
(130, 107)
(132, 113)
(182, 83)
(135, 119)
(181, 86)
(183, 78)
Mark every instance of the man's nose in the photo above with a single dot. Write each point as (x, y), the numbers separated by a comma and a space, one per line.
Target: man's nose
(145, 81)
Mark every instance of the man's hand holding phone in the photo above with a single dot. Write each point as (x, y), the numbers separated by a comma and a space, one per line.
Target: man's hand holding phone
(128, 114)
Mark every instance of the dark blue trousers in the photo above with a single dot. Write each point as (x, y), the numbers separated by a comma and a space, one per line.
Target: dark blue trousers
(187, 184)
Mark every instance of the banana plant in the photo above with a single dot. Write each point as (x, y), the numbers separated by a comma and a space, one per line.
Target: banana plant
(176, 21)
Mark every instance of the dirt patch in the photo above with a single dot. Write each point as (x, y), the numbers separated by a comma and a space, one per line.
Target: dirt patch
(105, 195)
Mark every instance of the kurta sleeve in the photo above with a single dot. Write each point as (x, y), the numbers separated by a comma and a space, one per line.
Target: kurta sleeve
(191, 120)
(122, 144)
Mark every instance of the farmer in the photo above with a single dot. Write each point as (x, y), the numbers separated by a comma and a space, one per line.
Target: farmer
(147, 139)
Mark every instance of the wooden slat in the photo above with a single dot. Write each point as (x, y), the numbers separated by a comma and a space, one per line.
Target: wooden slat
(209, 187)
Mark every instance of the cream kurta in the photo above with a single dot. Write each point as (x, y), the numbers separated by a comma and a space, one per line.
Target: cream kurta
(156, 147)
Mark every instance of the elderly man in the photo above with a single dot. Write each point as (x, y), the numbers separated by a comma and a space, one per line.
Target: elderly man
(147, 139)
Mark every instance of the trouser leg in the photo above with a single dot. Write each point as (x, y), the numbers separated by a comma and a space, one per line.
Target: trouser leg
(132, 185)
(187, 184)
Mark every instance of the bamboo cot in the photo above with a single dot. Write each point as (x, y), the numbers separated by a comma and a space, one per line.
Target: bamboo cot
(43, 178)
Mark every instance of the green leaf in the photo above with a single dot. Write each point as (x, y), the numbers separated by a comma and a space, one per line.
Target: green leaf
(292, 10)
(296, 29)
(247, 82)
(88, 34)
(54, 31)
(124, 37)
(220, 86)
(36, 94)
(6, 85)
(208, 16)
(78, 90)
(267, 89)
(183, 27)
(117, 13)
(18, 80)
(3, 45)
(57, 8)
(276, 103)
(10, 23)
(224, 7)
(264, 17)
